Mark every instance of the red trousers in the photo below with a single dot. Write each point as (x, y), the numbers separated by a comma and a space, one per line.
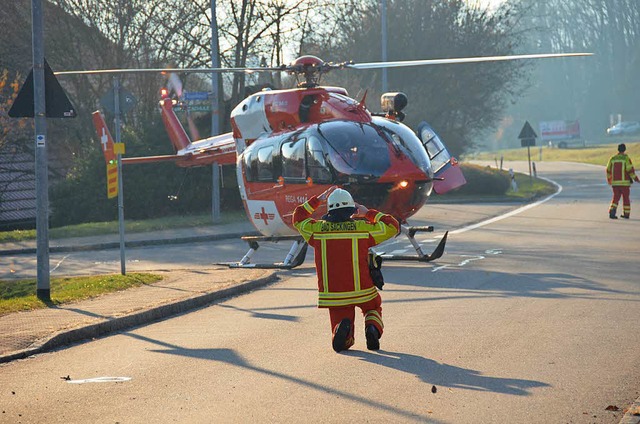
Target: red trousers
(624, 192)
(371, 310)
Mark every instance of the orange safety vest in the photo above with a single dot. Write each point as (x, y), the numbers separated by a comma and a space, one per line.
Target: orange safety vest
(620, 170)
(342, 253)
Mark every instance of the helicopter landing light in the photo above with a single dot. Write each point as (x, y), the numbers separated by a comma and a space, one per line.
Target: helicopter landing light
(403, 184)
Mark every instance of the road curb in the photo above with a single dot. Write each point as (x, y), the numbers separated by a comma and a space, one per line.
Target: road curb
(148, 316)
(132, 243)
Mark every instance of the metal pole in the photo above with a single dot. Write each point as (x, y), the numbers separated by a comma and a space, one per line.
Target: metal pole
(529, 156)
(215, 168)
(384, 44)
(43, 290)
(116, 98)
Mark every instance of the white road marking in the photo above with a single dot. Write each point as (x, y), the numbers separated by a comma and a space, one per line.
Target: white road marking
(59, 263)
(512, 213)
(464, 262)
(100, 380)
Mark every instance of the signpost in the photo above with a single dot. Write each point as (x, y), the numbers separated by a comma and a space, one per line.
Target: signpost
(41, 97)
(215, 62)
(118, 101)
(528, 138)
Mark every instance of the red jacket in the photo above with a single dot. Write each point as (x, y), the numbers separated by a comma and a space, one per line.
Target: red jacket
(620, 170)
(342, 253)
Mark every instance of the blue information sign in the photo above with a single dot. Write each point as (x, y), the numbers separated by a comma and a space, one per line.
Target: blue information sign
(195, 95)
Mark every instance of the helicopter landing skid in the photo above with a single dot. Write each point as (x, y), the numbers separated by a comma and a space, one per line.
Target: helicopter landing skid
(294, 258)
(410, 232)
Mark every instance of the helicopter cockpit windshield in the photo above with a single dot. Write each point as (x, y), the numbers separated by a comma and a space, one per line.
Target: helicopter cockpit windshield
(355, 148)
(404, 139)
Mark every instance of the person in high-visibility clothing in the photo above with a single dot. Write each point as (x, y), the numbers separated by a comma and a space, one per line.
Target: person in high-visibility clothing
(341, 244)
(620, 175)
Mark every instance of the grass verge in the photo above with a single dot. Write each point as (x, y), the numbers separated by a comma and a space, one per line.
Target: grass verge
(20, 295)
(489, 184)
(131, 226)
(596, 155)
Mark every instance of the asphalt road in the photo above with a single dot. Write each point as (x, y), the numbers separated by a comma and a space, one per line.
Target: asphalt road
(532, 317)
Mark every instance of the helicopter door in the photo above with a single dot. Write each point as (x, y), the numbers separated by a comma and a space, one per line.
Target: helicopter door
(317, 168)
(446, 170)
(294, 175)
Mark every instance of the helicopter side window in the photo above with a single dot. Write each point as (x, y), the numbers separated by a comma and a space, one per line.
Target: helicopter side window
(265, 164)
(316, 163)
(250, 165)
(293, 159)
(435, 149)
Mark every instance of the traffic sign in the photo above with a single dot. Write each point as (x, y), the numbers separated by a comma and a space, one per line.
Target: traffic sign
(127, 101)
(527, 135)
(112, 180)
(195, 95)
(57, 103)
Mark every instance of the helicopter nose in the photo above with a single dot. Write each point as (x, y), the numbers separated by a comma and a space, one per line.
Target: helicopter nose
(408, 195)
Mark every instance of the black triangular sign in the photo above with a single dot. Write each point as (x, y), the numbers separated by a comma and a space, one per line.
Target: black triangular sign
(57, 102)
(527, 131)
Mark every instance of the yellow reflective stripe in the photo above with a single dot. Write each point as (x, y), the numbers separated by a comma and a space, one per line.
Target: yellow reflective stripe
(323, 255)
(336, 295)
(302, 229)
(346, 302)
(372, 312)
(308, 207)
(377, 319)
(380, 229)
(356, 267)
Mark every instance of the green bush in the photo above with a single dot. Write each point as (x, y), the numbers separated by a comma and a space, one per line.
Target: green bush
(483, 181)
(150, 190)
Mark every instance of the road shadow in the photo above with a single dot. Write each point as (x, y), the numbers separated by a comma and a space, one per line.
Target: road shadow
(231, 357)
(262, 315)
(461, 283)
(444, 375)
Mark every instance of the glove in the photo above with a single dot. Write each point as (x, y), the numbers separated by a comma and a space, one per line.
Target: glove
(375, 270)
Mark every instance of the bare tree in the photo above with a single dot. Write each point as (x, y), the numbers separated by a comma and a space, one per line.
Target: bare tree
(593, 88)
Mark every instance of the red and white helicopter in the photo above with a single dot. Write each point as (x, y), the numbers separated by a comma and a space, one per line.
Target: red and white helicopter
(291, 144)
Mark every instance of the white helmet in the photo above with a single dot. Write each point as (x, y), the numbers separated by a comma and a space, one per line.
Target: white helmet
(340, 198)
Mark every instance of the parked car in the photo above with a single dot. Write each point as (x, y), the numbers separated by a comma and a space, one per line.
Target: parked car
(625, 127)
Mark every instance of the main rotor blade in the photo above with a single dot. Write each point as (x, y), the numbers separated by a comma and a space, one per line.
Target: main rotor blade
(403, 63)
(167, 70)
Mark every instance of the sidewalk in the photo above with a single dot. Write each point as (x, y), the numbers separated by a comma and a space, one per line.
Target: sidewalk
(27, 333)
(112, 241)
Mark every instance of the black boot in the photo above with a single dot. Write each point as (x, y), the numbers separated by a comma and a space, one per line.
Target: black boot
(373, 337)
(341, 334)
(612, 213)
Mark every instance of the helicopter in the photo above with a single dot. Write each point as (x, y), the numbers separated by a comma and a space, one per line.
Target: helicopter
(288, 145)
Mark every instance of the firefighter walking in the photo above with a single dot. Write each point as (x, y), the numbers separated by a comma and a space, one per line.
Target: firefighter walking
(341, 244)
(620, 175)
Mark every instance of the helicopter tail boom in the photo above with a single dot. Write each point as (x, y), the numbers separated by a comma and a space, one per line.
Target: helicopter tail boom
(177, 134)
